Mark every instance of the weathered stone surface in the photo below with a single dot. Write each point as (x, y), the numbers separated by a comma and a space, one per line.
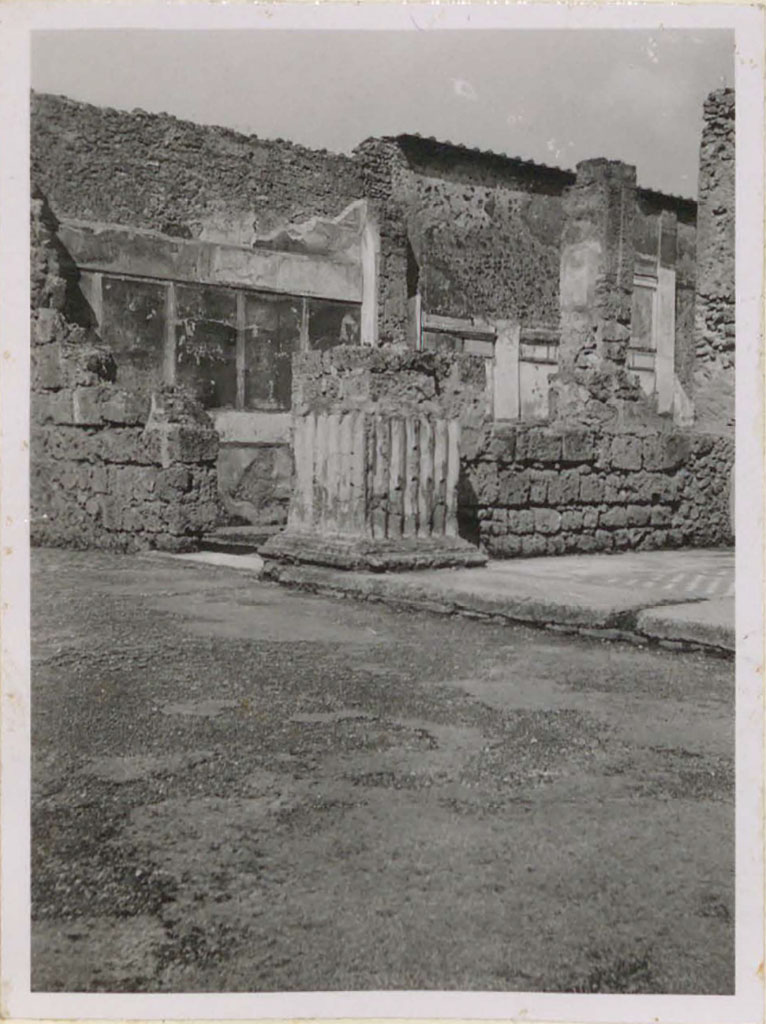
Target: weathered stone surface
(626, 453)
(714, 311)
(547, 520)
(578, 446)
(385, 555)
(591, 489)
(124, 168)
(96, 478)
(564, 488)
(538, 445)
(685, 485)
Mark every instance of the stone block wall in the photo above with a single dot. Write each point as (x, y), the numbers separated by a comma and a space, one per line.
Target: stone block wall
(104, 474)
(532, 491)
(715, 298)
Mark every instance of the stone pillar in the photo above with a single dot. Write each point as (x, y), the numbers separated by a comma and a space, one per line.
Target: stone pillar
(385, 173)
(714, 307)
(376, 435)
(596, 292)
(664, 367)
(596, 278)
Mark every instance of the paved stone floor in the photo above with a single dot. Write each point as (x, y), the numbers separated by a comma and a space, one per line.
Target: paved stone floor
(680, 574)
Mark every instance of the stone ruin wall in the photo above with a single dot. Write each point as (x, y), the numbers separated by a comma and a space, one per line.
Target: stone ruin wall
(196, 181)
(100, 480)
(103, 474)
(533, 491)
(485, 232)
(487, 235)
(160, 173)
(715, 299)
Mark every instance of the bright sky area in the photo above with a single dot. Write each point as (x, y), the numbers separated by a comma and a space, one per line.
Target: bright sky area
(554, 96)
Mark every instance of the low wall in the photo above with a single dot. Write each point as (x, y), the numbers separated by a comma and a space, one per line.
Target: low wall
(532, 491)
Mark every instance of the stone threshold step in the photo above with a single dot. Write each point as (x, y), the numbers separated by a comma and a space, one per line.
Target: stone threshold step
(238, 540)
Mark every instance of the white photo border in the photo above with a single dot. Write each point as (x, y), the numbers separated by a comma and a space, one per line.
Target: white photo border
(17, 22)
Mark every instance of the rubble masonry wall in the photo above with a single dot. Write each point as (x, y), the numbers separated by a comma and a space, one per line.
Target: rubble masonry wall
(533, 491)
(103, 473)
(156, 171)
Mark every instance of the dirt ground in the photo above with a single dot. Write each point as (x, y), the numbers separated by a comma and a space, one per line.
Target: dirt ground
(237, 787)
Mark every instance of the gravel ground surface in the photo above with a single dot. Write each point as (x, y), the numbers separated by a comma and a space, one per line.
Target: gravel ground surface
(237, 787)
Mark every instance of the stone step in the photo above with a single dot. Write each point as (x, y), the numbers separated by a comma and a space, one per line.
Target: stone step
(239, 540)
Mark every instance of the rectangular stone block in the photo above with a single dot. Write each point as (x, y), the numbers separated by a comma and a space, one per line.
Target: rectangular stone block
(555, 545)
(52, 407)
(586, 542)
(625, 539)
(112, 509)
(660, 515)
(637, 515)
(537, 445)
(564, 488)
(604, 540)
(47, 325)
(626, 452)
(572, 519)
(188, 443)
(547, 520)
(124, 408)
(173, 482)
(534, 544)
(88, 404)
(665, 451)
(513, 488)
(615, 490)
(591, 489)
(538, 489)
(125, 445)
(578, 446)
(484, 482)
(99, 479)
(501, 445)
(507, 546)
(613, 518)
(45, 367)
(589, 518)
(521, 520)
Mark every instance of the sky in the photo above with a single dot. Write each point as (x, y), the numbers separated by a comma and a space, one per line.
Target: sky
(555, 96)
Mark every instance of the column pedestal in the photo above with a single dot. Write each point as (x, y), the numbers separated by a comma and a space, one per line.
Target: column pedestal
(377, 461)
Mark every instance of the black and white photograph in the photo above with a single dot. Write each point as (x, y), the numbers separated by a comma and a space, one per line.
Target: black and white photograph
(382, 398)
